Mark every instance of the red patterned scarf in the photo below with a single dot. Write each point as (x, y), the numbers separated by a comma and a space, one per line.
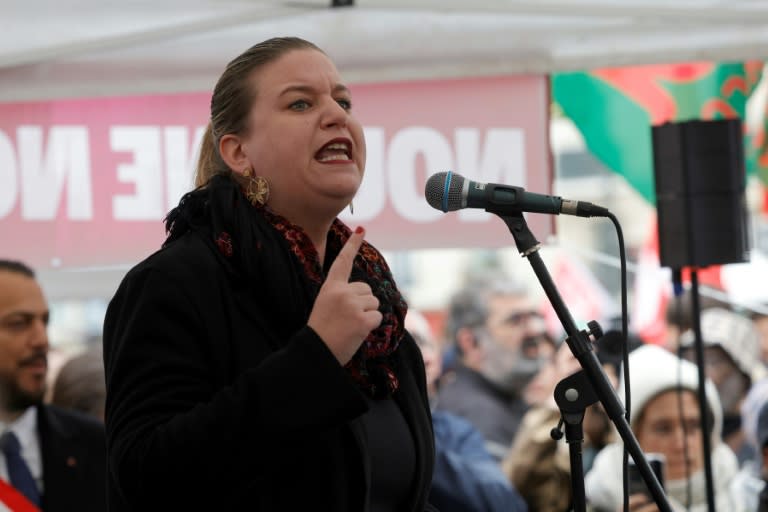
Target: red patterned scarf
(271, 254)
(369, 367)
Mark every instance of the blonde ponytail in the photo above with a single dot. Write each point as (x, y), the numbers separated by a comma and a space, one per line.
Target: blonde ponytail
(208, 163)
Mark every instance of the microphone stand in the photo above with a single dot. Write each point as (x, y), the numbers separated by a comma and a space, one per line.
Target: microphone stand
(581, 348)
(573, 395)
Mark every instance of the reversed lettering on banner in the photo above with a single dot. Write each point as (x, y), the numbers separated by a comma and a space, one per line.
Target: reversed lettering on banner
(88, 182)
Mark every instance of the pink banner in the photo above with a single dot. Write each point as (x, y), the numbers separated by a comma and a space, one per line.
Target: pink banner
(87, 182)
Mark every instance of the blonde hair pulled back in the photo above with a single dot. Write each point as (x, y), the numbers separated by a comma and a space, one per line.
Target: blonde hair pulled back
(233, 97)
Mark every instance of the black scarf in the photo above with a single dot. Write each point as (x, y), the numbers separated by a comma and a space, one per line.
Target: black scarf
(277, 260)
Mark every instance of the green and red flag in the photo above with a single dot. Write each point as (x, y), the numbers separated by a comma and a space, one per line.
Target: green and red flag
(757, 155)
(614, 108)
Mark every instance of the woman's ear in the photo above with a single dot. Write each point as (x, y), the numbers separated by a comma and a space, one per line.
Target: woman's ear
(232, 152)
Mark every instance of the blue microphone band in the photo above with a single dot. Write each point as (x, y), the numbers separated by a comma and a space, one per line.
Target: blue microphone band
(446, 188)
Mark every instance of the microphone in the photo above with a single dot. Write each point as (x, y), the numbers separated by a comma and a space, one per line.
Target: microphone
(448, 191)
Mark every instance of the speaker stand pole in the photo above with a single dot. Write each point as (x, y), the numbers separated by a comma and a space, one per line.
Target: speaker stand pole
(702, 395)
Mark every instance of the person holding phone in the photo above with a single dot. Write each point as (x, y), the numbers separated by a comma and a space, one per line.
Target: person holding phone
(636, 483)
(665, 419)
(259, 360)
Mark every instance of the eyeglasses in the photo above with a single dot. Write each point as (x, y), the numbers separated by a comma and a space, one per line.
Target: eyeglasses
(522, 317)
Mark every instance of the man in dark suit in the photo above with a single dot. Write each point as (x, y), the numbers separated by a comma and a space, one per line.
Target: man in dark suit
(50, 458)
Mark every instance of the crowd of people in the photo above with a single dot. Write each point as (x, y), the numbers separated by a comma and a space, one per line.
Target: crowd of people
(665, 413)
(264, 358)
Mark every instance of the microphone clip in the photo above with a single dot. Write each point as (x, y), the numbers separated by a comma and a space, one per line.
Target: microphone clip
(524, 239)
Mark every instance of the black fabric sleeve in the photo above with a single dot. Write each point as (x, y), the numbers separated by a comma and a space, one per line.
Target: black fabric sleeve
(414, 364)
(172, 426)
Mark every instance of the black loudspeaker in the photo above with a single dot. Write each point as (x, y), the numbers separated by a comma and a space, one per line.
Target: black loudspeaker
(700, 200)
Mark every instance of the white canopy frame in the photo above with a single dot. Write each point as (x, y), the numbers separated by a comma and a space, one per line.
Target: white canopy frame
(76, 48)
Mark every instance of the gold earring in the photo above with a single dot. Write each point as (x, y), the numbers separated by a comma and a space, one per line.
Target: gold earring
(257, 191)
(351, 208)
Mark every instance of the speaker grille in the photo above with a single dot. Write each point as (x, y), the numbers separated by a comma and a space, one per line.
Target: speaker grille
(700, 183)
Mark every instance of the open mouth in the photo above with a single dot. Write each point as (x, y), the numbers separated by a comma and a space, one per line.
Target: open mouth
(338, 150)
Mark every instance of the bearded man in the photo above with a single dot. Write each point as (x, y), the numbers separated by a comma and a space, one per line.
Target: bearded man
(50, 459)
(501, 342)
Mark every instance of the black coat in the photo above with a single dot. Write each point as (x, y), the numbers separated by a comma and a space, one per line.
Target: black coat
(208, 409)
(497, 415)
(74, 461)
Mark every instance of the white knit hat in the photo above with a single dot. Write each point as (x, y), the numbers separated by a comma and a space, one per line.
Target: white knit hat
(736, 335)
(653, 370)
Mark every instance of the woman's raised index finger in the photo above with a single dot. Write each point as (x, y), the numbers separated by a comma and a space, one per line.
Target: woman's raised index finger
(341, 268)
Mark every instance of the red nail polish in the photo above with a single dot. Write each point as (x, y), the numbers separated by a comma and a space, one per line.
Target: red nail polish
(359, 229)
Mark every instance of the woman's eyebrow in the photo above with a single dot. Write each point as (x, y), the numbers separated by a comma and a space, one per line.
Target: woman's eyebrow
(308, 89)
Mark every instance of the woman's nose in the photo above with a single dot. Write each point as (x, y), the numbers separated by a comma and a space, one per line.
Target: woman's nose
(334, 114)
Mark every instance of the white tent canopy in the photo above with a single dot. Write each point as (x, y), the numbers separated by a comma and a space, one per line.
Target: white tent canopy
(52, 49)
(75, 48)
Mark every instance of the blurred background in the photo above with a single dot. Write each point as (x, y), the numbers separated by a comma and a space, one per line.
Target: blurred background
(102, 105)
